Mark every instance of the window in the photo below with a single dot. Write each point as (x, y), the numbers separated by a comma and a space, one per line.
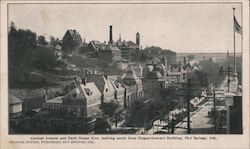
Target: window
(107, 90)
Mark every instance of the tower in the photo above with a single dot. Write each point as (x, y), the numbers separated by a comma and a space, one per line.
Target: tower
(110, 34)
(138, 39)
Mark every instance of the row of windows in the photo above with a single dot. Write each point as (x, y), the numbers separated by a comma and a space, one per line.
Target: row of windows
(134, 95)
(52, 106)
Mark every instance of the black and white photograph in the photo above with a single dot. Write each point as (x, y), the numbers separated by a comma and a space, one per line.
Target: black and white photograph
(125, 68)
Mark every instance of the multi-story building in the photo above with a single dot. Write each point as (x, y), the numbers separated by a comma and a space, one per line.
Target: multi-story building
(111, 52)
(153, 83)
(75, 112)
(104, 85)
(119, 93)
(83, 100)
(71, 40)
(133, 87)
(15, 106)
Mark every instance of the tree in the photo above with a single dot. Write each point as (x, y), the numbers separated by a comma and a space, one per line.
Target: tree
(21, 47)
(44, 59)
(137, 113)
(52, 40)
(110, 108)
(41, 40)
(211, 69)
(24, 56)
(200, 77)
(169, 95)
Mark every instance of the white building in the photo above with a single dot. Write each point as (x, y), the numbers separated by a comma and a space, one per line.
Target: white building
(15, 106)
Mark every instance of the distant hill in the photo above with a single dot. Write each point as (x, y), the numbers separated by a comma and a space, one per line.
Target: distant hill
(203, 56)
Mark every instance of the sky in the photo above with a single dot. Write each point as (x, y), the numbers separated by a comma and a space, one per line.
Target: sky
(183, 28)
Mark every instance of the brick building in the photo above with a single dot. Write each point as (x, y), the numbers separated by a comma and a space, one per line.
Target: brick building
(71, 40)
(133, 87)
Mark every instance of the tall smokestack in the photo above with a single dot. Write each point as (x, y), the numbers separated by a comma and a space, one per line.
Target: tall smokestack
(110, 34)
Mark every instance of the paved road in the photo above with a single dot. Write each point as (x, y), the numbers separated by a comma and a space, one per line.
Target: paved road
(200, 123)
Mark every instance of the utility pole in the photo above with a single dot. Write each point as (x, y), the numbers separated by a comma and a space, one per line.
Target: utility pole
(214, 108)
(188, 88)
(188, 107)
(215, 125)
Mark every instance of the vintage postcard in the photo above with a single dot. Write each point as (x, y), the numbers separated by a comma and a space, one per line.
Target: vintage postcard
(124, 74)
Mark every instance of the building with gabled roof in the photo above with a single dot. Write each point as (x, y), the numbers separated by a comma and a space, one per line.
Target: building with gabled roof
(119, 92)
(71, 40)
(84, 100)
(104, 85)
(154, 82)
(95, 46)
(15, 106)
(133, 87)
(111, 51)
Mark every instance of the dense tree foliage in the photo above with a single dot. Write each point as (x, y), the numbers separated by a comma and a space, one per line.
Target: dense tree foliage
(41, 40)
(137, 113)
(212, 71)
(142, 113)
(25, 56)
(200, 77)
(110, 108)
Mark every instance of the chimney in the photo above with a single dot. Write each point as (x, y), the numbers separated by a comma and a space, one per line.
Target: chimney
(110, 34)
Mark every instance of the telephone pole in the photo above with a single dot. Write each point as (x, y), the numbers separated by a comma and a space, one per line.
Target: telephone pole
(188, 106)
(188, 88)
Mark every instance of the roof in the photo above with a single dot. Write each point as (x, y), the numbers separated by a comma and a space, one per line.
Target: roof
(112, 48)
(154, 75)
(74, 33)
(125, 43)
(101, 82)
(98, 79)
(56, 100)
(90, 89)
(117, 85)
(130, 43)
(14, 100)
(96, 44)
(186, 66)
(130, 78)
